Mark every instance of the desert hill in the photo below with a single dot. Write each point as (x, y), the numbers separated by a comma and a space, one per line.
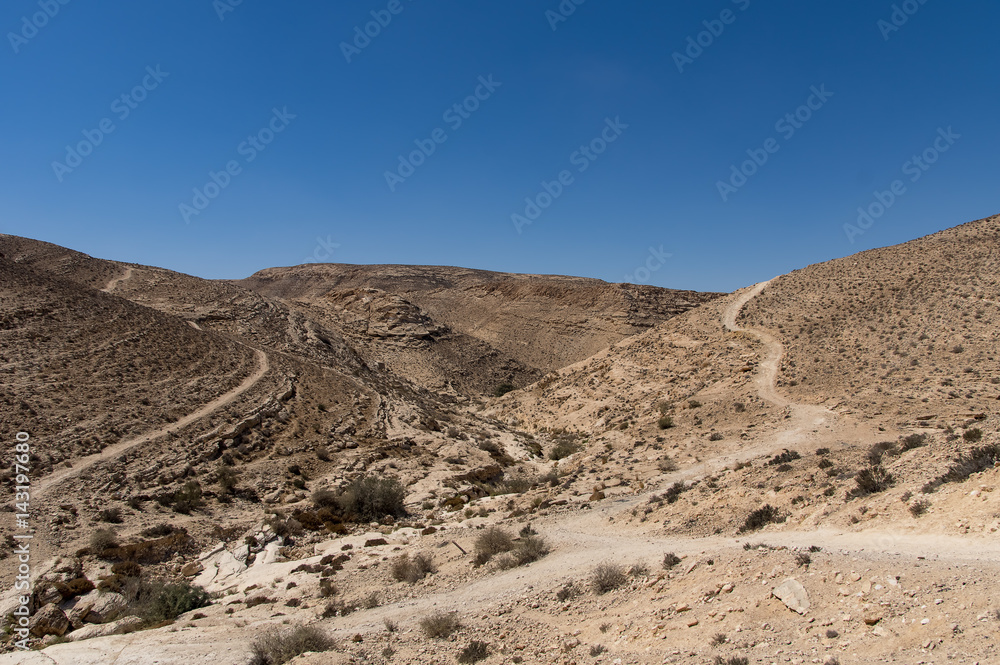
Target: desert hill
(542, 322)
(803, 471)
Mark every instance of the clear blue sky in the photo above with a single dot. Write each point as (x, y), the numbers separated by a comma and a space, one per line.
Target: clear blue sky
(656, 185)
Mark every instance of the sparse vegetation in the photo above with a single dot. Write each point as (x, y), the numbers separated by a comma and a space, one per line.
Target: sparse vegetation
(607, 577)
(496, 543)
(103, 540)
(872, 480)
(440, 624)
(974, 435)
(784, 458)
(276, 647)
(919, 507)
(912, 441)
(732, 660)
(670, 560)
(474, 652)
(372, 498)
(413, 569)
(976, 460)
(760, 518)
(111, 515)
(503, 389)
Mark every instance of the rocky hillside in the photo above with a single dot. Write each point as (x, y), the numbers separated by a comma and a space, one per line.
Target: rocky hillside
(540, 322)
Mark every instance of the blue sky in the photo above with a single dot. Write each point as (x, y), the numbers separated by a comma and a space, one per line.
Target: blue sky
(207, 84)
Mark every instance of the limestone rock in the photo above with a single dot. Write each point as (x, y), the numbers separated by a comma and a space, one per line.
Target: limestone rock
(119, 627)
(793, 595)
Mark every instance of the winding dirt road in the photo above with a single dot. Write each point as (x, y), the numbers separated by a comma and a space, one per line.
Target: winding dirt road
(111, 452)
(580, 539)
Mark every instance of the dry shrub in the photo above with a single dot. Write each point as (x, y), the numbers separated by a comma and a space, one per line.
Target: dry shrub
(276, 647)
(412, 570)
(607, 577)
(440, 624)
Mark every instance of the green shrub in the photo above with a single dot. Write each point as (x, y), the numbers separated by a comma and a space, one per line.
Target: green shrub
(276, 647)
(372, 498)
(665, 422)
(491, 542)
(156, 601)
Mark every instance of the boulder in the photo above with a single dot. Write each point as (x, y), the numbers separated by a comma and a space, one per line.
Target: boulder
(119, 627)
(793, 595)
(49, 620)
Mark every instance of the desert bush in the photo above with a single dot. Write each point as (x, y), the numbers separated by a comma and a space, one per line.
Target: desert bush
(158, 531)
(111, 515)
(803, 559)
(440, 624)
(474, 652)
(718, 639)
(563, 449)
(276, 647)
(596, 650)
(227, 478)
(412, 570)
(760, 518)
(503, 389)
(528, 549)
(73, 588)
(188, 497)
(103, 540)
(881, 449)
(667, 465)
(976, 460)
(919, 507)
(127, 569)
(732, 660)
(825, 464)
(715, 436)
(670, 560)
(974, 435)
(156, 601)
(872, 480)
(491, 542)
(372, 498)
(912, 441)
(665, 422)
(674, 491)
(784, 458)
(607, 577)
(822, 451)
(784, 468)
